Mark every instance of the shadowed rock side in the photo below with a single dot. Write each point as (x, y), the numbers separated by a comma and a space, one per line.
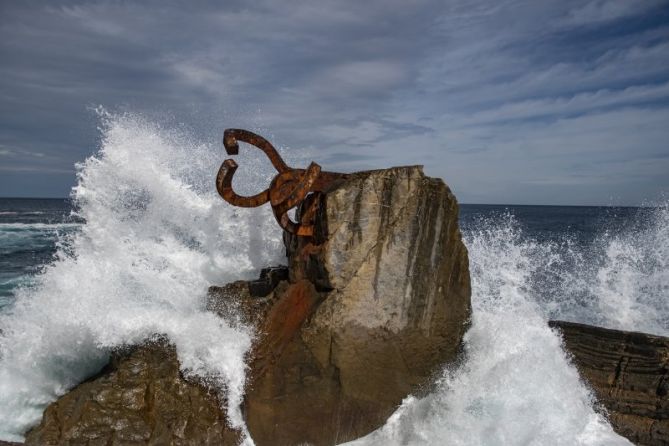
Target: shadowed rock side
(139, 398)
(629, 373)
(367, 312)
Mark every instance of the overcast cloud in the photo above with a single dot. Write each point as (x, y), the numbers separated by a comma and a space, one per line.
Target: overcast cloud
(546, 102)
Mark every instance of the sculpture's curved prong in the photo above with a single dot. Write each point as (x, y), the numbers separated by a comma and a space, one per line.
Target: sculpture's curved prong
(289, 188)
(224, 188)
(231, 136)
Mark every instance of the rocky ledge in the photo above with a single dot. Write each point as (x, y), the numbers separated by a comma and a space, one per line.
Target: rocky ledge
(629, 374)
(367, 312)
(139, 398)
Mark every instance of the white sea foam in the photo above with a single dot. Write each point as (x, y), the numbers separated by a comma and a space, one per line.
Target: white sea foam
(37, 226)
(628, 278)
(619, 280)
(156, 236)
(30, 236)
(515, 385)
(22, 213)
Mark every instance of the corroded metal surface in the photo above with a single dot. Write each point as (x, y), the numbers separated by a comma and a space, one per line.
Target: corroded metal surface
(289, 188)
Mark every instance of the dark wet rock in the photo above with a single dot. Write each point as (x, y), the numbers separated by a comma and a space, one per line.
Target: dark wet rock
(629, 373)
(269, 279)
(140, 398)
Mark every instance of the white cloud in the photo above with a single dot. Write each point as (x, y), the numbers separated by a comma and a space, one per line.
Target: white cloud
(37, 169)
(95, 18)
(370, 77)
(494, 95)
(570, 105)
(598, 11)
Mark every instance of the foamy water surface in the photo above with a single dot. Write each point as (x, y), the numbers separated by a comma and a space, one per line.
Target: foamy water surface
(156, 236)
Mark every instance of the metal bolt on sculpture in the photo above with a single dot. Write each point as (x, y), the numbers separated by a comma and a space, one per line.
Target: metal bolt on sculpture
(289, 188)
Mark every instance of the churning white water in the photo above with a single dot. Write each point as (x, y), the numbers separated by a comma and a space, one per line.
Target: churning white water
(515, 385)
(157, 235)
(622, 281)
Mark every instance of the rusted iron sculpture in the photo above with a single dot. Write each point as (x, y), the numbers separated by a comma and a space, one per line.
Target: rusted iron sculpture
(289, 188)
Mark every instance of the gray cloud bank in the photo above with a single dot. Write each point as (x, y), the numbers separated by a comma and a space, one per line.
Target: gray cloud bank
(558, 102)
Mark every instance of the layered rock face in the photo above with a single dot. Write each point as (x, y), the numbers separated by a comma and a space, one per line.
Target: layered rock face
(368, 311)
(629, 373)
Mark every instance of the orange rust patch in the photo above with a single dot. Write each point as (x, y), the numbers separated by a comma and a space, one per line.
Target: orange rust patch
(284, 320)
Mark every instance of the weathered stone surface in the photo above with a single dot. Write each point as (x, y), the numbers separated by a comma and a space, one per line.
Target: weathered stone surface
(139, 399)
(390, 303)
(629, 373)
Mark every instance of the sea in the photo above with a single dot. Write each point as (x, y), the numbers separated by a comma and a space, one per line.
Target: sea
(132, 252)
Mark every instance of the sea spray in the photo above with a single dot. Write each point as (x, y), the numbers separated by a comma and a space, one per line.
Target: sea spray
(618, 279)
(155, 236)
(515, 385)
(629, 282)
(24, 248)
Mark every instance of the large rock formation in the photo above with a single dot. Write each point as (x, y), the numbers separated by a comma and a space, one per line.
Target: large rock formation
(386, 298)
(369, 309)
(629, 373)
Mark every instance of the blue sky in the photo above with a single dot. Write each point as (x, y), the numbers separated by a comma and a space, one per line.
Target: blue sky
(530, 102)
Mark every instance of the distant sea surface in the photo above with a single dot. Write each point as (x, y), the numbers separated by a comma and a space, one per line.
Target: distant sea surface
(31, 230)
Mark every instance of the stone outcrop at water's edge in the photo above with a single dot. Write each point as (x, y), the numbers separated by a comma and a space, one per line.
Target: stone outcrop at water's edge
(629, 374)
(384, 299)
(139, 398)
(367, 312)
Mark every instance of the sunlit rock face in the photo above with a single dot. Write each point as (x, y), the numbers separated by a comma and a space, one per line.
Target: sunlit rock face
(392, 280)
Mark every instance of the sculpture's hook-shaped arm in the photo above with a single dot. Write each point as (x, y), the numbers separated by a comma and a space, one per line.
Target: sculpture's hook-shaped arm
(224, 188)
(289, 188)
(231, 136)
(228, 168)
